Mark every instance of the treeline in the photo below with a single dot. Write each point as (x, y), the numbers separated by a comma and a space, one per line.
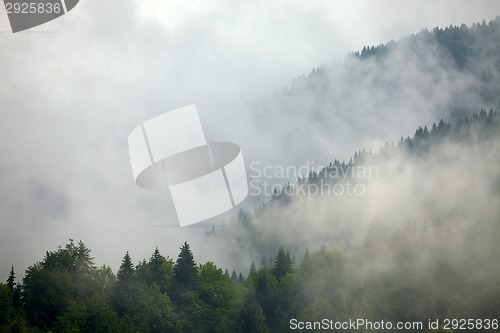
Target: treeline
(439, 71)
(461, 43)
(412, 273)
(467, 47)
(479, 127)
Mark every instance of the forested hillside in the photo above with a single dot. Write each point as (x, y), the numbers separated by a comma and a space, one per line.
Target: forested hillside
(445, 174)
(382, 93)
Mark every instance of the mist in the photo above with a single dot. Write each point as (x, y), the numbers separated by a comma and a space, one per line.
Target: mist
(445, 192)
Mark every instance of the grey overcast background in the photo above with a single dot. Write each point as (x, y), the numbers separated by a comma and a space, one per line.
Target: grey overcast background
(72, 90)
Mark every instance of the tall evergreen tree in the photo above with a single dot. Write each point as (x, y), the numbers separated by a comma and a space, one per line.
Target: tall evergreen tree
(160, 270)
(11, 281)
(125, 290)
(83, 260)
(126, 270)
(252, 269)
(155, 259)
(282, 264)
(185, 273)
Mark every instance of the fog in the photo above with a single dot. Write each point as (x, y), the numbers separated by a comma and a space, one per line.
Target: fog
(73, 89)
(449, 191)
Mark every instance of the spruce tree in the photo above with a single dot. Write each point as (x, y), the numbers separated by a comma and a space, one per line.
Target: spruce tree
(84, 261)
(126, 270)
(11, 281)
(282, 264)
(185, 273)
(155, 263)
(252, 269)
(159, 270)
(155, 258)
(125, 289)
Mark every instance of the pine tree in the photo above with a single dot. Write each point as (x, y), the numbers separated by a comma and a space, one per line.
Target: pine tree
(306, 262)
(282, 264)
(126, 270)
(234, 276)
(252, 269)
(159, 270)
(84, 261)
(155, 263)
(11, 281)
(185, 273)
(155, 257)
(126, 287)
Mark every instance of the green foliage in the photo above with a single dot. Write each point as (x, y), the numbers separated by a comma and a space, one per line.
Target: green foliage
(11, 281)
(282, 264)
(376, 281)
(252, 269)
(158, 270)
(185, 275)
(217, 296)
(6, 305)
(126, 271)
(251, 317)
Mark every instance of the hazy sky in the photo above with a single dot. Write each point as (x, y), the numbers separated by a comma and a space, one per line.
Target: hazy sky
(72, 90)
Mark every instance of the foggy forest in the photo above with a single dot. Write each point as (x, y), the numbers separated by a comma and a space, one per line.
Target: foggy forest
(420, 244)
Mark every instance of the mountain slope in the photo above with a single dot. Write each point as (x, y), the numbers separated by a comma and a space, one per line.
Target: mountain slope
(381, 93)
(444, 174)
